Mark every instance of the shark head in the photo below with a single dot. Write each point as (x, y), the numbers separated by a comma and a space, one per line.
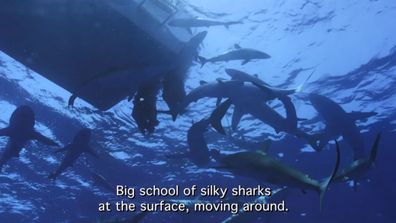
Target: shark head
(83, 136)
(22, 117)
(236, 74)
(262, 55)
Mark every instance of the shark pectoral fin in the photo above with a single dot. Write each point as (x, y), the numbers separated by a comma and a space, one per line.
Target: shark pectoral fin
(43, 139)
(5, 132)
(236, 117)
(291, 114)
(359, 116)
(324, 185)
(202, 60)
(72, 98)
(218, 114)
(245, 62)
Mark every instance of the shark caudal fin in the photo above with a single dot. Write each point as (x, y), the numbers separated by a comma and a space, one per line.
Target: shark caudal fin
(325, 184)
(218, 114)
(374, 148)
(202, 60)
(300, 88)
(72, 98)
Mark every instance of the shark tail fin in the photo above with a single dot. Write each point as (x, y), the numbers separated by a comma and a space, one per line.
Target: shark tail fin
(202, 60)
(218, 114)
(72, 98)
(300, 88)
(374, 148)
(325, 184)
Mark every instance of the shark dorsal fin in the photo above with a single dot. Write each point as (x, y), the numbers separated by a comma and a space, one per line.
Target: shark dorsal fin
(237, 46)
(203, 82)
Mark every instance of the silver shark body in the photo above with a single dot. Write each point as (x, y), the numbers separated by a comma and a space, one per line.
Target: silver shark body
(198, 22)
(265, 168)
(339, 123)
(79, 146)
(20, 131)
(249, 99)
(358, 169)
(239, 53)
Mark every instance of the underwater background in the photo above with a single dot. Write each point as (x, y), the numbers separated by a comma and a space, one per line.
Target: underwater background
(350, 46)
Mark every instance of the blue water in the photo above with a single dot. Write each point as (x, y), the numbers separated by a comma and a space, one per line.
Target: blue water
(349, 45)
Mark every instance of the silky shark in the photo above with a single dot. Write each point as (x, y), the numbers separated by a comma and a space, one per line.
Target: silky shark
(239, 53)
(263, 167)
(20, 131)
(79, 146)
(340, 123)
(242, 76)
(132, 77)
(281, 94)
(189, 23)
(249, 99)
(358, 168)
(198, 151)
